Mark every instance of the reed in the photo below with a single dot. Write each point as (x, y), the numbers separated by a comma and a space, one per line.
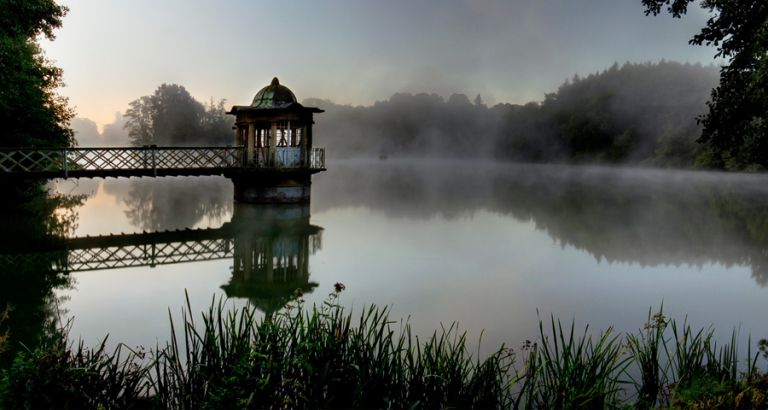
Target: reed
(702, 372)
(315, 358)
(60, 375)
(687, 370)
(324, 357)
(646, 349)
(574, 373)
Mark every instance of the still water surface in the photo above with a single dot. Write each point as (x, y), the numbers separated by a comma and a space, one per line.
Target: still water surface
(484, 244)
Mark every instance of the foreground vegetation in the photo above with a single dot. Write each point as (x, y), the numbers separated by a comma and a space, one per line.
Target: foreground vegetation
(315, 358)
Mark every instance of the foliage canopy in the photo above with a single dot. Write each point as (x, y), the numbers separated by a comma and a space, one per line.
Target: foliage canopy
(631, 113)
(171, 116)
(31, 113)
(737, 122)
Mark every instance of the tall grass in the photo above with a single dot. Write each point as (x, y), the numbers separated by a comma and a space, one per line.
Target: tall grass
(315, 358)
(324, 357)
(687, 370)
(60, 375)
(571, 373)
(646, 348)
(3, 336)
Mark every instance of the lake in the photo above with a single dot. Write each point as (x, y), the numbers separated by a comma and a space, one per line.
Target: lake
(492, 246)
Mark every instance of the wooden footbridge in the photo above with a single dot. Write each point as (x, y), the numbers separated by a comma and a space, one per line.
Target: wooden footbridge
(153, 161)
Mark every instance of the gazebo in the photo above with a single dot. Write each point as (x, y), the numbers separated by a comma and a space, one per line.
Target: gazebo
(275, 132)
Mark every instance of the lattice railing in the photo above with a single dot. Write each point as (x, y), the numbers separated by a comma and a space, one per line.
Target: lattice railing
(143, 254)
(149, 255)
(108, 159)
(82, 260)
(317, 158)
(154, 158)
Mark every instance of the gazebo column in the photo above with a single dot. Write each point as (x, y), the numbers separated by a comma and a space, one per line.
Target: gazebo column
(251, 140)
(309, 145)
(273, 144)
(303, 144)
(288, 135)
(300, 272)
(269, 258)
(248, 256)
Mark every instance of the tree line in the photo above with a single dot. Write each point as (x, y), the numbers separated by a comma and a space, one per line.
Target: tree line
(636, 113)
(409, 125)
(32, 113)
(170, 116)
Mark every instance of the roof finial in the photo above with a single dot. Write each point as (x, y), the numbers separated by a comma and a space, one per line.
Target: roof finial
(275, 81)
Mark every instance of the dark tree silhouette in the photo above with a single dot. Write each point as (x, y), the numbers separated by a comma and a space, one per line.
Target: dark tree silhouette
(31, 113)
(172, 117)
(737, 122)
(633, 113)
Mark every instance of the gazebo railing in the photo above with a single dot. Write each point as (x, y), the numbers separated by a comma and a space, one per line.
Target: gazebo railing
(288, 158)
(317, 158)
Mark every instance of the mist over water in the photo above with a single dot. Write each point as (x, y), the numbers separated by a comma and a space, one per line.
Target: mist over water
(483, 243)
(634, 215)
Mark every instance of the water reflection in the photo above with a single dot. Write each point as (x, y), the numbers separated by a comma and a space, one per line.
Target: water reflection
(28, 285)
(648, 217)
(271, 253)
(173, 203)
(270, 246)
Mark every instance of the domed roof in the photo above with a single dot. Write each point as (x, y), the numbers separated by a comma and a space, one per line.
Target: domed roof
(274, 96)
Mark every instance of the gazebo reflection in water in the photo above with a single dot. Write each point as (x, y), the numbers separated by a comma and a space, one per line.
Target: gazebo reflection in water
(272, 246)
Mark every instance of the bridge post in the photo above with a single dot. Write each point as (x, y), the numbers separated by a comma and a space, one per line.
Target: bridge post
(154, 163)
(66, 168)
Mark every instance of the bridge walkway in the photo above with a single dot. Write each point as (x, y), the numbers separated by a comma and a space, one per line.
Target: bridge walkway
(150, 161)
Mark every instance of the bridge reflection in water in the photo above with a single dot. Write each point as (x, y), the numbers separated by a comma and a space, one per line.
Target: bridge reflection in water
(270, 246)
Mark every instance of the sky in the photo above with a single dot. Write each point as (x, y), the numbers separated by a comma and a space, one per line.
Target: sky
(353, 52)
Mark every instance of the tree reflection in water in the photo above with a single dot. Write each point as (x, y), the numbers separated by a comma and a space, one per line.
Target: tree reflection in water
(647, 216)
(156, 204)
(29, 284)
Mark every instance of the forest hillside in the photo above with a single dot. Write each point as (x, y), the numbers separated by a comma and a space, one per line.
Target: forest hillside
(635, 113)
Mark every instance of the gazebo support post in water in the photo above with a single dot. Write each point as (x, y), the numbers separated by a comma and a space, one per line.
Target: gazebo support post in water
(279, 158)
